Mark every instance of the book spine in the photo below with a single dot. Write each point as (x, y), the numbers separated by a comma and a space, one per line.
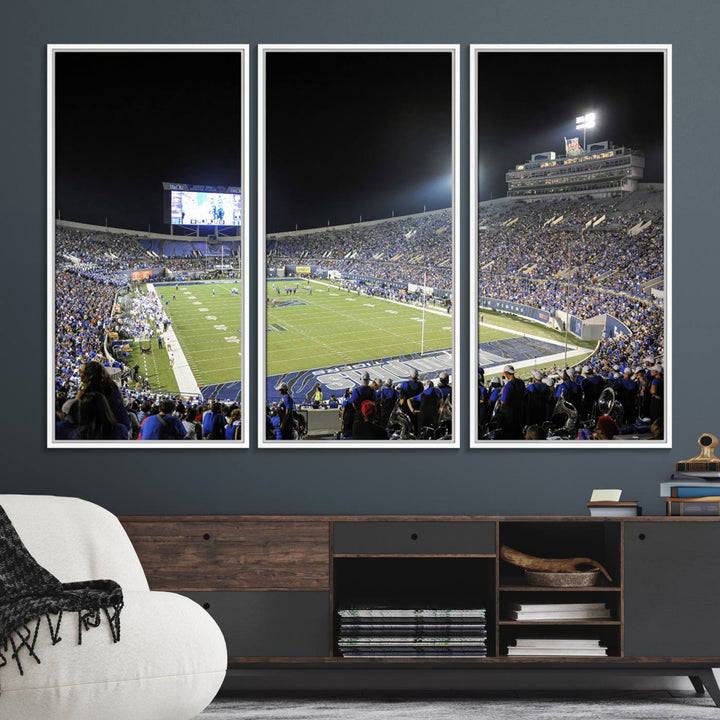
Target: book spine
(589, 615)
(699, 508)
(670, 489)
(556, 607)
(569, 643)
(693, 492)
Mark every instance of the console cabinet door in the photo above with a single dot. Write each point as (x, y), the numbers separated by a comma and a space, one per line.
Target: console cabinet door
(270, 624)
(672, 589)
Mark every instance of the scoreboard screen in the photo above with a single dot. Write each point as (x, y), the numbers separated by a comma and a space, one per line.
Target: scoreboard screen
(188, 207)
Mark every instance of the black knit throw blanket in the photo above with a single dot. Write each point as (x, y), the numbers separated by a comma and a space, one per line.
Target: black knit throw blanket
(29, 595)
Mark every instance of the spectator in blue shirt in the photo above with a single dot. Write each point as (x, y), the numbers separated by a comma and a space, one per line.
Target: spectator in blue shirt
(361, 392)
(511, 404)
(164, 425)
(387, 399)
(426, 406)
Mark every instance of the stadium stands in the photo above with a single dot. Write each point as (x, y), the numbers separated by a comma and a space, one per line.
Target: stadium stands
(583, 255)
(587, 257)
(411, 249)
(91, 267)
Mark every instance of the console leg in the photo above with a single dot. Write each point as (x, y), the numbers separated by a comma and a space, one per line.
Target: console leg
(711, 685)
(697, 684)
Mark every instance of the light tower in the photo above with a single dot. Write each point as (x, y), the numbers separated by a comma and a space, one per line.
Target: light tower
(585, 122)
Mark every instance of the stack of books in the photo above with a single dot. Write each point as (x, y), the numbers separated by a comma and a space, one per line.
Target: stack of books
(564, 647)
(376, 632)
(610, 508)
(533, 612)
(692, 493)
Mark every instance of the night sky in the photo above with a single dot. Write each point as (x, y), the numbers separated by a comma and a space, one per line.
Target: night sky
(127, 121)
(353, 134)
(348, 134)
(527, 102)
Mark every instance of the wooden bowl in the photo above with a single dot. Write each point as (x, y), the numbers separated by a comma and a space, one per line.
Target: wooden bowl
(585, 578)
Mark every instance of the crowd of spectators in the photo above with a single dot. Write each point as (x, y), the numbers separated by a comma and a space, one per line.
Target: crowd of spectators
(92, 298)
(414, 249)
(375, 409)
(590, 242)
(586, 257)
(83, 308)
(107, 257)
(588, 271)
(103, 252)
(573, 402)
(102, 409)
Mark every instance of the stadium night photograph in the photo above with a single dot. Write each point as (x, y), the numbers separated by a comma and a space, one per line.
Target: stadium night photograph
(147, 241)
(357, 165)
(570, 244)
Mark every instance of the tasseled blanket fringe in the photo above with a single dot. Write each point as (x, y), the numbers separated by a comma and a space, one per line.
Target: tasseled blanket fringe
(26, 637)
(29, 593)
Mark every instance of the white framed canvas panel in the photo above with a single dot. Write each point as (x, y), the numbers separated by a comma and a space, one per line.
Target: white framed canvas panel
(358, 171)
(570, 239)
(147, 189)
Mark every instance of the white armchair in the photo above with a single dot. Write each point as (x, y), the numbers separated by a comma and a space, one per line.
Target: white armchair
(171, 658)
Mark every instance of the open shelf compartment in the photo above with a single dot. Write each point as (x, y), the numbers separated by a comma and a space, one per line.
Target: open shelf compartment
(608, 635)
(411, 582)
(600, 541)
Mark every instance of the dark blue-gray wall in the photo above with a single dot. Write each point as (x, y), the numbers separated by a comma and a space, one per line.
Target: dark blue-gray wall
(492, 481)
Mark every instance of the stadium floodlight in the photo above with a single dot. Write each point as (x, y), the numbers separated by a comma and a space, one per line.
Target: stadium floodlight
(585, 122)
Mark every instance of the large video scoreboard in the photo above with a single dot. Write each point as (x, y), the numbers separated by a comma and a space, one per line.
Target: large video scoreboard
(203, 205)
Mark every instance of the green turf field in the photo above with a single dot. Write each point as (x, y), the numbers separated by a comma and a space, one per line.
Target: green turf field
(207, 328)
(329, 327)
(155, 366)
(333, 327)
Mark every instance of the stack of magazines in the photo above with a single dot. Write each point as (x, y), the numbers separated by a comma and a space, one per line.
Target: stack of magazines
(426, 632)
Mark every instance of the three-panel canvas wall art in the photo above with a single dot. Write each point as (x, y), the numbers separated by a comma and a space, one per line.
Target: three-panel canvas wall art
(392, 274)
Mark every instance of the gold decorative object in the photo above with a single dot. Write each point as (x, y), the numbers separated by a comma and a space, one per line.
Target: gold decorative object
(706, 461)
(551, 565)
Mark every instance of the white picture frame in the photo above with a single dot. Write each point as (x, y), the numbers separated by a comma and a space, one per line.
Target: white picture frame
(263, 442)
(476, 52)
(53, 50)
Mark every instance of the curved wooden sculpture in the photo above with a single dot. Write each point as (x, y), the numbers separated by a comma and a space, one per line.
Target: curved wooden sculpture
(529, 562)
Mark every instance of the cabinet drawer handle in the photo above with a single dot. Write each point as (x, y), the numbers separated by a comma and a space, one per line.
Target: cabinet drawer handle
(414, 536)
(206, 606)
(206, 536)
(641, 536)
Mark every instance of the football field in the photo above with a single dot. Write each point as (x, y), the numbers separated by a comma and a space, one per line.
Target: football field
(305, 330)
(331, 326)
(208, 328)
